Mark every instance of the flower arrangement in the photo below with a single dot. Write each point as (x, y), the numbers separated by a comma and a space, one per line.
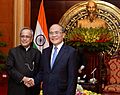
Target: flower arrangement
(41, 92)
(81, 91)
(94, 39)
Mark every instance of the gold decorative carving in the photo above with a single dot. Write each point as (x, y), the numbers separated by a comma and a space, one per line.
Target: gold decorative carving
(106, 11)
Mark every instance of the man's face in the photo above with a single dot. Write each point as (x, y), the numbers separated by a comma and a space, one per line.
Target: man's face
(55, 34)
(91, 7)
(26, 38)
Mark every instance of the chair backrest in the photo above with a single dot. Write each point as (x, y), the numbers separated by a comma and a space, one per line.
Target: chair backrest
(113, 75)
(113, 71)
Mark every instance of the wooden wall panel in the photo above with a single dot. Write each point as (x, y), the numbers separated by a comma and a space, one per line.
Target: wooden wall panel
(27, 13)
(6, 23)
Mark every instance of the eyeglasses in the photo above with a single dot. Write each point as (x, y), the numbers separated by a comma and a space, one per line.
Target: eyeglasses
(25, 36)
(55, 33)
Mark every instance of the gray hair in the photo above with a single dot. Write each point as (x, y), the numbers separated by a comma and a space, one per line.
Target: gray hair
(63, 29)
(24, 28)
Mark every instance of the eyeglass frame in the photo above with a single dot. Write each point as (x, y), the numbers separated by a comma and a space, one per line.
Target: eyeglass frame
(55, 33)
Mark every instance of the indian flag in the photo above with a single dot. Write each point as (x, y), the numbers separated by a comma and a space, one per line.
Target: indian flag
(41, 40)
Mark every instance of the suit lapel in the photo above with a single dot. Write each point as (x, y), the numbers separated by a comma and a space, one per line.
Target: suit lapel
(60, 54)
(49, 57)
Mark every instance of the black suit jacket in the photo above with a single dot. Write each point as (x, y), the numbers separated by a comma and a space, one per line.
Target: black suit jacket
(17, 65)
(62, 78)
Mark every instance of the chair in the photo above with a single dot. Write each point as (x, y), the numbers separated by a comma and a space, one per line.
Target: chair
(113, 76)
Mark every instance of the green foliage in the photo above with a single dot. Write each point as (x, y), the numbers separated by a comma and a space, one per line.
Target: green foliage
(2, 55)
(94, 39)
(2, 67)
(3, 44)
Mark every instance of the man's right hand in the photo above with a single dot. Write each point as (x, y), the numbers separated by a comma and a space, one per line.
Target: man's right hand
(29, 82)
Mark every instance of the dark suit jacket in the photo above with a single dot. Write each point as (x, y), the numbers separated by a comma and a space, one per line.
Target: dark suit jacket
(81, 57)
(17, 65)
(62, 78)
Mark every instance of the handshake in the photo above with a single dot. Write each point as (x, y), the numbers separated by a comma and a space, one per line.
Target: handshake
(29, 82)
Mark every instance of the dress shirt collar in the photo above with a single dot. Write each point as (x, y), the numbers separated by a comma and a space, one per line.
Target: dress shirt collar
(27, 48)
(58, 49)
(58, 46)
